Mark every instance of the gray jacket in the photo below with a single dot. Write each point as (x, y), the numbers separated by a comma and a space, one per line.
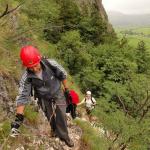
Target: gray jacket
(47, 88)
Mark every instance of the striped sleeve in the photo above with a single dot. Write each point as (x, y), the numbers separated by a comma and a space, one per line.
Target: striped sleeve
(59, 70)
(24, 91)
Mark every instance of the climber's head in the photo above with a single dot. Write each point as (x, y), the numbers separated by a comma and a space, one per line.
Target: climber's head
(31, 57)
(88, 94)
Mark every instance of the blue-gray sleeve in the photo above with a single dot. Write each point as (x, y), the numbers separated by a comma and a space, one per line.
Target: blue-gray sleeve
(24, 91)
(59, 71)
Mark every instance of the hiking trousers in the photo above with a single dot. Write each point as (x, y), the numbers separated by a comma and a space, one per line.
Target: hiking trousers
(55, 111)
(72, 109)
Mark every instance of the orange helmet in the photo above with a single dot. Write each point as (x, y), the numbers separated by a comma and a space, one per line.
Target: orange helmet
(30, 56)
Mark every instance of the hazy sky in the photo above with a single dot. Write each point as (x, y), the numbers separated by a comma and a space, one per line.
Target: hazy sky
(128, 6)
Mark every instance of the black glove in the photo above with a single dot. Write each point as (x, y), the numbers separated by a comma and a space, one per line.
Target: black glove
(66, 92)
(16, 124)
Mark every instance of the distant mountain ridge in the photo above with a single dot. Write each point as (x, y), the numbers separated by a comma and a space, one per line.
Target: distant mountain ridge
(120, 19)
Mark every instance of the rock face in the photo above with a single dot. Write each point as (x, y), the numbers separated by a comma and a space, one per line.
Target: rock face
(104, 14)
(98, 4)
(7, 91)
(101, 9)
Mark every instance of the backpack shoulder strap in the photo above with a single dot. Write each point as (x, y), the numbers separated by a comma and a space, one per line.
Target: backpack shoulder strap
(32, 88)
(92, 100)
(48, 64)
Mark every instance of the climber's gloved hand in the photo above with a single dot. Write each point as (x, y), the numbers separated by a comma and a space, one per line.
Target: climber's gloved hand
(66, 92)
(16, 124)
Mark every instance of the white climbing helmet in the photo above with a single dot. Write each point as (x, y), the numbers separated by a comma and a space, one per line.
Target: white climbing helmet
(88, 92)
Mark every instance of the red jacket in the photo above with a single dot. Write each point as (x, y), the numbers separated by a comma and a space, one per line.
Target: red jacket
(74, 97)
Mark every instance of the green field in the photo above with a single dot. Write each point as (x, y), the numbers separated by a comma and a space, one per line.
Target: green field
(135, 34)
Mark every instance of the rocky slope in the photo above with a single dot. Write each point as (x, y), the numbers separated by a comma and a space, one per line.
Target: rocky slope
(37, 136)
(34, 135)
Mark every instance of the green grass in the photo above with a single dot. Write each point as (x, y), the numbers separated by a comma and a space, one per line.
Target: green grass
(133, 41)
(140, 34)
(31, 115)
(4, 130)
(91, 137)
(144, 30)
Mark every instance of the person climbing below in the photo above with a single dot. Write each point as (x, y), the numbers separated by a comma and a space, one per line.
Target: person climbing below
(89, 101)
(72, 100)
(44, 76)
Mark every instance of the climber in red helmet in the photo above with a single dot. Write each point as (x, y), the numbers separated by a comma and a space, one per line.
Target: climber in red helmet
(45, 77)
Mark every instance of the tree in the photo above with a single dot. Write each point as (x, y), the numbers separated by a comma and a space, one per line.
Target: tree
(73, 52)
(7, 11)
(38, 13)
(92, 27)
(91, 79)
(142, 58)
(68, 19)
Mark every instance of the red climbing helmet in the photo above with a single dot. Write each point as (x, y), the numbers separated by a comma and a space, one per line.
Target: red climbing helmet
(30, 56)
